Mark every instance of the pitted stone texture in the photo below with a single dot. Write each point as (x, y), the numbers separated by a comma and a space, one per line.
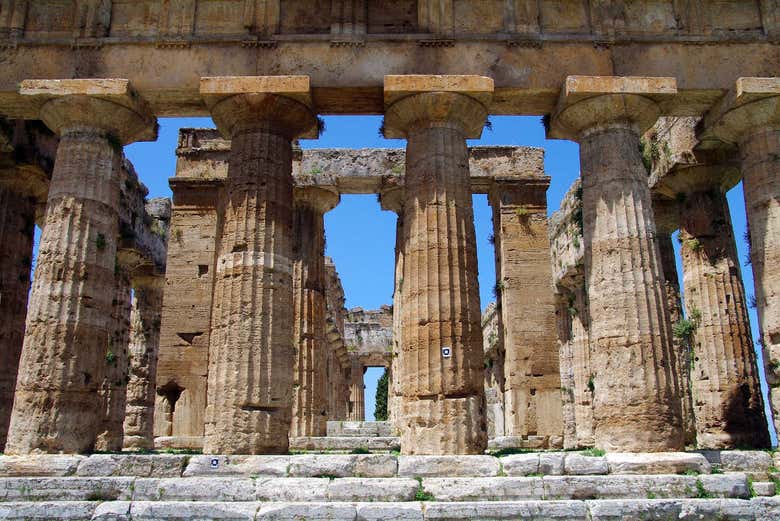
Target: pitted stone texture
(359, 429)
(17, 222)
(657, 463)
(250, 353)
(390, 512)
(346, 443)
(307, 511)
(526, 510)
(64, 360)
(375, 489)
(47, 510)
(292, 489)
(754, 463)
(422, 466)
(685, 510)
(40, 465)
(728, 406)
(144, 348)
(112, 511)
(484, 489)
(578, 464)
(520, 464)
(272, 466)
(364, 465)
(141, 465)
(662, 486)
(764, 488)
(188, 511)
(194, 489)
(66, 489)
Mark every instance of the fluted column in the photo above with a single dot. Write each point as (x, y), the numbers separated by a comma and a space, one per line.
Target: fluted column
(532, 381)
(566, 364)
(251, 352)
(17, 225)
(309, 410)
(64, 359)
(666, 213)
(581, 364)
(442, 373)
(749, 116)
(143, 348)
(636, 395)
(357, 395)
(113, 390)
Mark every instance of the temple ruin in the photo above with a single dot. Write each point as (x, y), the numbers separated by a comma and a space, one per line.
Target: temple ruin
(214, 323)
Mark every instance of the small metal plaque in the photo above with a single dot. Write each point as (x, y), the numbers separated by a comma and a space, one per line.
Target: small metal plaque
(446, 352)
(214, 463)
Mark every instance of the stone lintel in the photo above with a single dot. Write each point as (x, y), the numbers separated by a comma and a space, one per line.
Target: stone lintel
(400, 86)
(588, 102)
(237, 101)
(752, 105)
(111, 104)
(520, 192)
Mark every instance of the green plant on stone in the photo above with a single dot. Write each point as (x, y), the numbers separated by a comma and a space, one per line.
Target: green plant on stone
(594, 452)
(701, 491)
(651, 494)
(522, 211)
(751, 490)
(100, 242)
(420, 494)
(591, 384)
(360, 450)
(110, 357)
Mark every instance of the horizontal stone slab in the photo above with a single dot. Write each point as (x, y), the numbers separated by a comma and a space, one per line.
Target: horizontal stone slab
(216, 465)
(581, 465)
(48, 510)
(346, 443)
(342, 466)
(756, 463)
(40, 465)
(188, 511)
(194, 489)
(657, 463)
(484, 489)
(654, 486)
(355, 428)
(543, 463)
(139, 465)
(66, 489)
(681, 510)
(525, 510)
(423, 466)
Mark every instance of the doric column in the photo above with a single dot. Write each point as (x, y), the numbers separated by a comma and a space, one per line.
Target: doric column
(113, 390)
(749, 116)
(636, 397)
(532, 381)
(251, 353)
(357, 395)
(143, 348)
(666, 214)
(442, 374)
(309, 409)
(66, 347)
(17, 226)
(581, 365)
(566, 363)
(727, 402)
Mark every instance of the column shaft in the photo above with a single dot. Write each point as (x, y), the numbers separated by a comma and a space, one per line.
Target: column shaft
(357, 396)
(143, 348)
(250, 353)
(17, 223)
(728, 406)
(57, 406)
(636, 397)
(395, 395)
(566, 363)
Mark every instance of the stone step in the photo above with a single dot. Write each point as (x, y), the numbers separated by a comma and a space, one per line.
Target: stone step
(374, 444)
(234, 489)
(361, 429)
(757, 464)
(759, 509)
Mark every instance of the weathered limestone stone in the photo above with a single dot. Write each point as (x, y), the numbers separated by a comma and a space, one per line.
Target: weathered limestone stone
(137, 465)
(338, 358)
(580, 465)
(292, 489)
(443, 396)
(39, 465)
(731, 485)
(530, 510)
(264, 466)
(194, 489)
(66, 511)
(144, 346)
(756, 464)
(347, 444)
(375, 489)
(250, 352)
(636, 395)
(309, 406)
(17, 222)
(422, 466)
(748, 117)
(65, 489)
(657, 463)
(366, 465)
(387, 511)
(57, 405)
(484, 489)
(184, 511)
(357, 395)
(532, 382)
(492, 345)
(727, 402)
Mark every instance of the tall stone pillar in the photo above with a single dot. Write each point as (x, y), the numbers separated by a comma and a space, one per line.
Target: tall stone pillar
(17, 226)
(251, 352)
(727, 401)
(442, 373)
(749, 116)
(636, 395)
(581, 365)
(143, 348)
(64, 360)
(666, 214)
(310, 403)
(566, 363)
(357, 395)
(532, 381)
(113, 389)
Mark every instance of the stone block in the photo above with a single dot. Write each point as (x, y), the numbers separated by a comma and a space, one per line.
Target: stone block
(112, 511)
(390, 512)
(178, 442)
(657, 486)
(520, 464)
(400, 86)
(372, 489)
(551, 463)
(65, 489)
(292, 489)
(345, 443)
(194, 489)
(39, 465)
(306, 511)
(580, 465)
(268, 466)
(525, 510)
(769, 507)
(657, 463)
(484, 489)
(189, 511)
(764, 488)
(620, 510)
(447, 466)
(341, 466)
(48, 510)
(138, 465)
(755, 463)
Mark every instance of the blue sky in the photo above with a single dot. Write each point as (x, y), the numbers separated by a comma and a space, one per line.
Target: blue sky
(361, 237)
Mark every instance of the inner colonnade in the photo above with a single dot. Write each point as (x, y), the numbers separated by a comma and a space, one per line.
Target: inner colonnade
(251, 313)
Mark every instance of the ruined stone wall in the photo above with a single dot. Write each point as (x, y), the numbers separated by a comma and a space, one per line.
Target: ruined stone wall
(369, 335)
(494, 371)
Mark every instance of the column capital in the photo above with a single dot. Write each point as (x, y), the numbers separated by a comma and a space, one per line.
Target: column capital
(520, 191)
(587, 103)
(421, 100)
(111, 105)
(318, 198)
(667, 214)
(698, 178)
(280, 103)
(752, 106)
